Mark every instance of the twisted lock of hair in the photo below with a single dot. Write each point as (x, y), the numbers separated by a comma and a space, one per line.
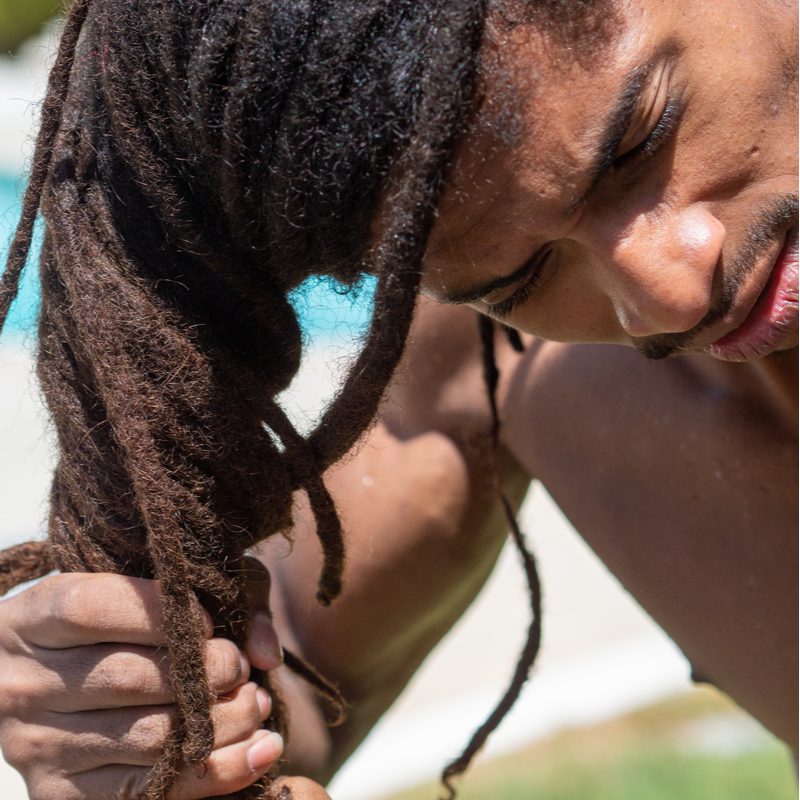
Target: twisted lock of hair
(533, 640)
(196, 161)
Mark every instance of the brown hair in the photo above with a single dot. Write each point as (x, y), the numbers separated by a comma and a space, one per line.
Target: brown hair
(196, 161)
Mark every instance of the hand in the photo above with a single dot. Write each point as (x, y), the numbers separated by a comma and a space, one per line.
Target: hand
(85, 697)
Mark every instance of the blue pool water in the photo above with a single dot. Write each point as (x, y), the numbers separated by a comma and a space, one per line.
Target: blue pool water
(325, 312)
(22, 317)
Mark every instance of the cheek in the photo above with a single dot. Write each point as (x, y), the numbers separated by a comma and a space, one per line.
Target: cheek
(741, 128)
(570, 308)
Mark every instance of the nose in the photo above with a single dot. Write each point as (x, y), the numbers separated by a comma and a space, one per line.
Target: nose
(658, 269)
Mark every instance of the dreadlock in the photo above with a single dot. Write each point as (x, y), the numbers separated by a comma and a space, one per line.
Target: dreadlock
(196, 161)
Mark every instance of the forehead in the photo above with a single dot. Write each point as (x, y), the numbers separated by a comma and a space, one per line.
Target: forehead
(544, 103)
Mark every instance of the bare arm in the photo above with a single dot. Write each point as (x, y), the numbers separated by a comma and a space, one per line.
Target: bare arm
(85, 698)
(423, 531)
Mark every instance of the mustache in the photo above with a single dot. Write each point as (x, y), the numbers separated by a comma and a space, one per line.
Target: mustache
(770, 221)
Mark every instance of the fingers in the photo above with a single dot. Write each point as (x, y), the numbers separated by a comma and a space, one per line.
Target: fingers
(104, 676)
(79, 755)
(262, 645)
(228, 770)
(133, 736)
(85, 692)
(231, 768)
(78, 609)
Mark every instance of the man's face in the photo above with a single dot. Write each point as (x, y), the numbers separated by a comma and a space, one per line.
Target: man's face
(650, 198)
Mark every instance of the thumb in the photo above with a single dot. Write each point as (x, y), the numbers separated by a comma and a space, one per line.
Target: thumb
(302, 789)
(261, 646)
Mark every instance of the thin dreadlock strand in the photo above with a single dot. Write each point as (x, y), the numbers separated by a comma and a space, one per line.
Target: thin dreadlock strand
(332, 696)
(57, 89)
(307, 474)
(527, 657)
(524, 664)
(514, 339)
(143, 143)
(24, 562)
(237, 105)
(491, 374)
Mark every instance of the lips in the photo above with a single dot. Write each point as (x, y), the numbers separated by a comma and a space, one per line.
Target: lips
(772, 322)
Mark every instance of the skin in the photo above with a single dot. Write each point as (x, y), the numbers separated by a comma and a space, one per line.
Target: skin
(703, 535)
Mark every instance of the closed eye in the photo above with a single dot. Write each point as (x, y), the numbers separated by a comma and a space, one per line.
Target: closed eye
(533, 278)
(664, 128)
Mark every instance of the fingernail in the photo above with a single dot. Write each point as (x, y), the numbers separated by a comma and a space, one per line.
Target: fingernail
(264, 751)
(264, 703)
(265, 642)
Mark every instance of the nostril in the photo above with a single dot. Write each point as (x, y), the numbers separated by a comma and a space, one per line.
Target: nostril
(630, 322)
(659, 318)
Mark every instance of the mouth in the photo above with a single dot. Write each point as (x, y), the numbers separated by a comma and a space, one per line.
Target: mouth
(771, 324)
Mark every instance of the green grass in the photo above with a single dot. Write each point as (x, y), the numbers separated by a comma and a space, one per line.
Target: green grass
(634, 776)
(638, 757)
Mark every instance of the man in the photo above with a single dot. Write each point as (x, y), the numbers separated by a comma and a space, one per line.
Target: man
(648, 200)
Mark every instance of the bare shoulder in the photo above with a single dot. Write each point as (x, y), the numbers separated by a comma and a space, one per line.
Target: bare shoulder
(682, 475)
(560, 399)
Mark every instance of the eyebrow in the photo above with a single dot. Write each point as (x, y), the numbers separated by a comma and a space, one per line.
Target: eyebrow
(614, 130)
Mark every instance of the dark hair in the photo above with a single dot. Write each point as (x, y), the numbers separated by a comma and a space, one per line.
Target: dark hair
(197, 160)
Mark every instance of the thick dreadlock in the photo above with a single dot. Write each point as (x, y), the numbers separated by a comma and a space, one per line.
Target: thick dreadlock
(197, 160)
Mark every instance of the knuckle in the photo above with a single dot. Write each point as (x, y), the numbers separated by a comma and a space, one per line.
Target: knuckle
(47, 586)
(39, 743)
(25, 746)
(224, 662)
(8, 623)
(129, 674)
(19, 692)
(148, 734)
(144, 680)
(51, 585)
(47, 788)
(72, 605)
(14, 752)
(240, 715)
(9, 695)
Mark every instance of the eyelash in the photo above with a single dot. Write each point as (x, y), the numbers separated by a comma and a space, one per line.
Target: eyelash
(502, 309)
(661, 132)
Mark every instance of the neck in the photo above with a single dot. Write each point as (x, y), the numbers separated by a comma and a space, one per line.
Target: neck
(770, 383)
(779, 372)
(777, 375)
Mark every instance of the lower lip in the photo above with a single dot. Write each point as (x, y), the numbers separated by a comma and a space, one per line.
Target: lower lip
(773, 320)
